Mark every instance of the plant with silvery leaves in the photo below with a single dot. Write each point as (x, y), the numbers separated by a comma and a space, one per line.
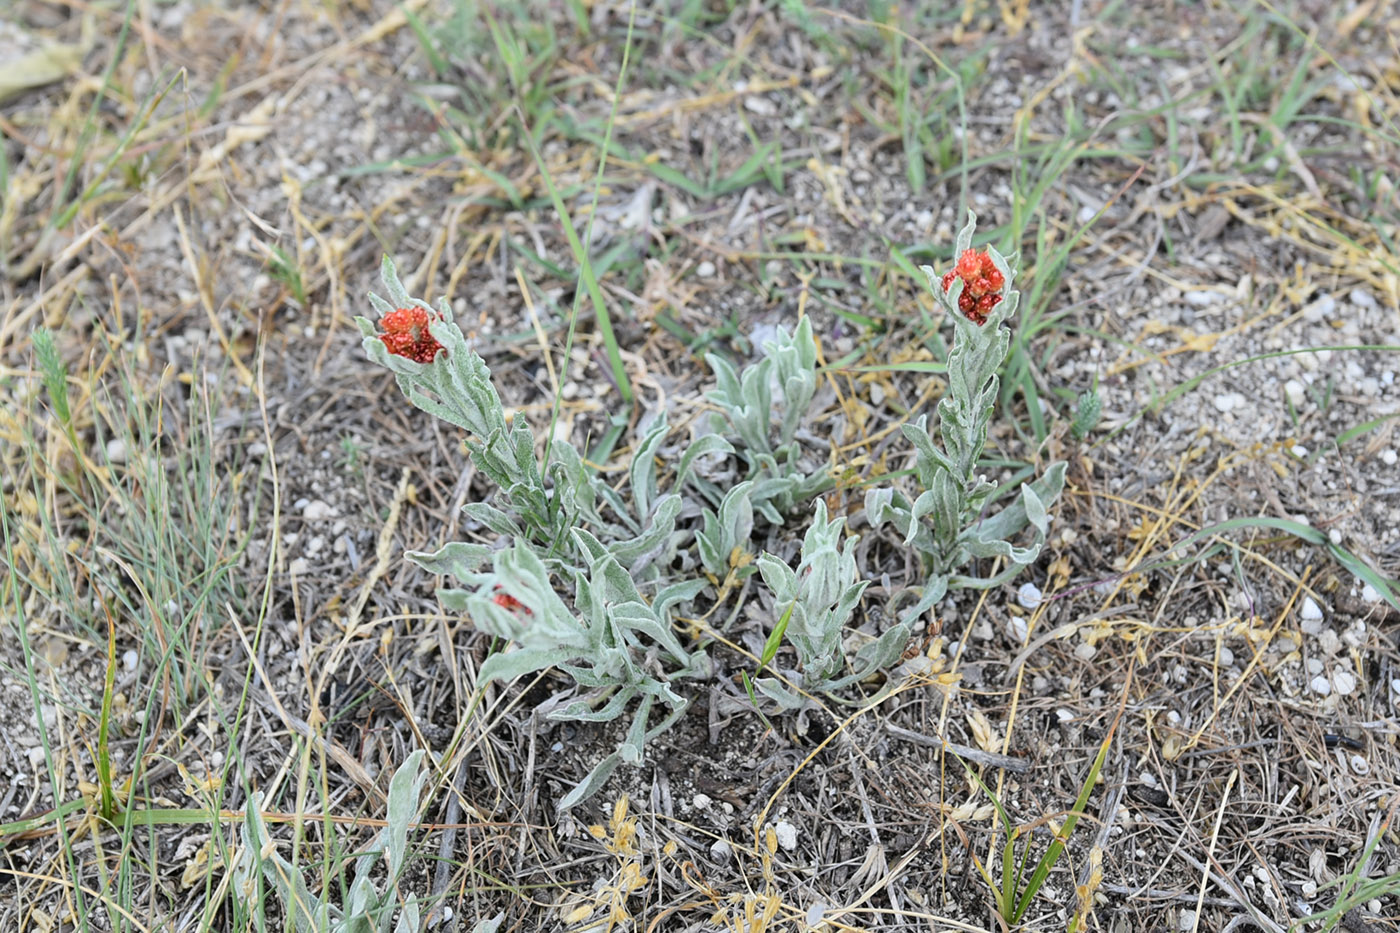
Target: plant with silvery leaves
(747, 403)
(439, 373)
(614, 644)
(259, 868)
(617, 646)
(816, 602)
(945, 523)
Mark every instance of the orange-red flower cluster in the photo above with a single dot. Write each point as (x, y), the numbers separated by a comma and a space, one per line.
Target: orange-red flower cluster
(406, 335)
(982, 285)
(508, 602)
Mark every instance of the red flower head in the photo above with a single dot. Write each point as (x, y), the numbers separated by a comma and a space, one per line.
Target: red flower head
(982, 285)
(406, 335)
(508, 602)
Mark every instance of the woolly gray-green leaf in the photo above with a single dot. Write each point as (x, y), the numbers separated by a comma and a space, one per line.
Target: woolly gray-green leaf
(404, 789)
(592, 782)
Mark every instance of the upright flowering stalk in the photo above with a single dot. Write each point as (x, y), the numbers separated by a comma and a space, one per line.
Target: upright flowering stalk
(944, 523)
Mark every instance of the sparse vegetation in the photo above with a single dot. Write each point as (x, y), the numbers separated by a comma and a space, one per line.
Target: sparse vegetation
(1177, 716)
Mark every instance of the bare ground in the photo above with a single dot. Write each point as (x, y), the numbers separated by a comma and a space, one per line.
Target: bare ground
(1252, 756)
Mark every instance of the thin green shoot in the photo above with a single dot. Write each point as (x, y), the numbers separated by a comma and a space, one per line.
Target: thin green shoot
(1013, 898)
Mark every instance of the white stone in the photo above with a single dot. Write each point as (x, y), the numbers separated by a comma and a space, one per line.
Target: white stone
(1016, 630)
(1310, 611)
(1227, 657)
(705, 269)
(299, 567)
(721, 851)
(1313, 665)
(1320, 310)
(129, 659)
(1028, 595)
(1388, 456)
(1344, 682)
(1296, 393)
(1360, 765)
(1320, 685)
(317, 510)
(1064, 715)
(116, 450)
(787, 835)
(1370, 594)
(1328, 641)
(1361, 298)
(1085, 651)
(1226, 401)
(700, 801)
(1299, 451)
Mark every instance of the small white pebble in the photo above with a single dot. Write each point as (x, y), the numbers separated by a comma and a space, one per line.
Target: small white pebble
(1028, 595)
(1361, 298)
(1321, 685)
(1065, 715)
(721, 851)
(1335, 536)
(1388, 456)
(1016, 630)
(299, 567)
(787, 835)
(1344, 682)
(1227, 657)
(1314, 665)
(1226, 401)
(1296, 393)
(129, 659)
(1310, 611)
(700, 801)
(1395, 685)
(1299, 451)
(1085, 651)
(1360, 765)
(1320, 309)
(1370, 594)
(116, 450)
(705, 269)
(317, 510)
